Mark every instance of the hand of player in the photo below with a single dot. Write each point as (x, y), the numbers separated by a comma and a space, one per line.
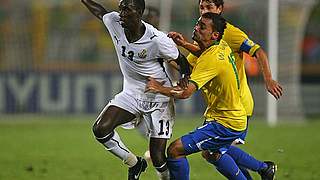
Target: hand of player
(153, 86)
(183, 82)
(177, 38)
(176, 90)
(274, 88)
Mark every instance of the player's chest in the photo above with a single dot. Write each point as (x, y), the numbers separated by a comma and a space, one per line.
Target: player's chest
(136, 52)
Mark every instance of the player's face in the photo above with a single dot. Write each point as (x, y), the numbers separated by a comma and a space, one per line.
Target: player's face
(206, 6)
(202, 31)
(129, 14)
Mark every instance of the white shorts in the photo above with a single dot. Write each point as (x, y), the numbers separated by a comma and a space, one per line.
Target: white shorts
(158, 117)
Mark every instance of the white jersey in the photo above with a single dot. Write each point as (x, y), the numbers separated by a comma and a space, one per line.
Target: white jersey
(141, 59)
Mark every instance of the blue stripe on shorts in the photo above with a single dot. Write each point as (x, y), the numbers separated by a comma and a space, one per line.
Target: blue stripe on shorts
(211, 136)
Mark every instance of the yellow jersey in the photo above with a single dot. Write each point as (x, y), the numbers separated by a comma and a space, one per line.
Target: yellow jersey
(215, 73)
(239, 42)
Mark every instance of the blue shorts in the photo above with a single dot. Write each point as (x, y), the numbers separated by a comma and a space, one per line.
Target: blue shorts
(242, 138)
(211, 136)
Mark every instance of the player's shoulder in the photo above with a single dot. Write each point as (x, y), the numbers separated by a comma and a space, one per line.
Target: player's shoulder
(234, 36)
(233, 29)
(110, 16)
(218, 46)
(223, 45)
(154, 33)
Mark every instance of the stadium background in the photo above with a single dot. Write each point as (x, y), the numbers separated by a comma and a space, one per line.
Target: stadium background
(57, 60)
(55, 57)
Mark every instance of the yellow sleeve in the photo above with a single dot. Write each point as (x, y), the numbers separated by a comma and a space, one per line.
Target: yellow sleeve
(205, 70)
(192, 59)
(239, 41)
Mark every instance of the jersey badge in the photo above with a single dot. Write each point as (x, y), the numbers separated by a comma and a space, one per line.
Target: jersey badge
(143, 54)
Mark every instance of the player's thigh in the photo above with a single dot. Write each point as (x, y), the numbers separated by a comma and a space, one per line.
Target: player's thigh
(211, 136)
(116, 116)
(118, 111)
(160, 119)
(211, 156)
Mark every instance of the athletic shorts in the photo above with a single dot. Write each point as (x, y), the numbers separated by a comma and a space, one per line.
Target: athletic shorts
(212, 136)
(158, 117)
(241, 140)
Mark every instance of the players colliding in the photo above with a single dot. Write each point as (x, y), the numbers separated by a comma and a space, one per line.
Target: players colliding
(141, 51)
(225, 117)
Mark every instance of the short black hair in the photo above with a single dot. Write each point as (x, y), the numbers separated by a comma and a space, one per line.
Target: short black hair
(218, 23)
(218, 3)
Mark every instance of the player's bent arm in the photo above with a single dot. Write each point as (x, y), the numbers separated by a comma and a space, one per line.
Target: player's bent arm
(181, 41)
(95, 8)
(184, 65)
(192, 48)
(154, 86)
(272, 86)
(263, 64)
(185, 93)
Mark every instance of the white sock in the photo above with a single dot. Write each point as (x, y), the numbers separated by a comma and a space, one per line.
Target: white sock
(165, 175)
(116, 147)
(131, 160)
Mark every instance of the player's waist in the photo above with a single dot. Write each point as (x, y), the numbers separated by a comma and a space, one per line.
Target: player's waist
(234, 123)
(150, 97)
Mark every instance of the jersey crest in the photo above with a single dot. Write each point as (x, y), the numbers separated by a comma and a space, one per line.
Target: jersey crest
(143, 54)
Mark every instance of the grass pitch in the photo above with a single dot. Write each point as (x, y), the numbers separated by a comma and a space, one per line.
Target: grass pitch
(63, 148)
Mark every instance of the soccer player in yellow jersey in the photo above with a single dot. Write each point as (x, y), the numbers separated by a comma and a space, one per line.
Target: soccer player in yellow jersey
(216, 75)
(240, 43)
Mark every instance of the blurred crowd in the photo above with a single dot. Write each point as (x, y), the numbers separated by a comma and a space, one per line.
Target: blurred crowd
(51, 32)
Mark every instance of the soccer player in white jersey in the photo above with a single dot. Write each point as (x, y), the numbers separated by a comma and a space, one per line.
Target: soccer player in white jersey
(140, 48)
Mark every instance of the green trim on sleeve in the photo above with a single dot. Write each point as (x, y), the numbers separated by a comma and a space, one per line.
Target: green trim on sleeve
(254, 49)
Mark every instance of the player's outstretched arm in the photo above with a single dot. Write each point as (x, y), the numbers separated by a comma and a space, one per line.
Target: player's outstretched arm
(181, 41)
(95, 8)
(272, 86)
(177, 92)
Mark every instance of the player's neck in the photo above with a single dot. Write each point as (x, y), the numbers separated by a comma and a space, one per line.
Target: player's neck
(134, 34)
(205, 45)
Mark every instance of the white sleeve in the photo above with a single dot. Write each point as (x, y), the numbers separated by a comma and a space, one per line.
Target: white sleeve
(111, 21)
(167, 48)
